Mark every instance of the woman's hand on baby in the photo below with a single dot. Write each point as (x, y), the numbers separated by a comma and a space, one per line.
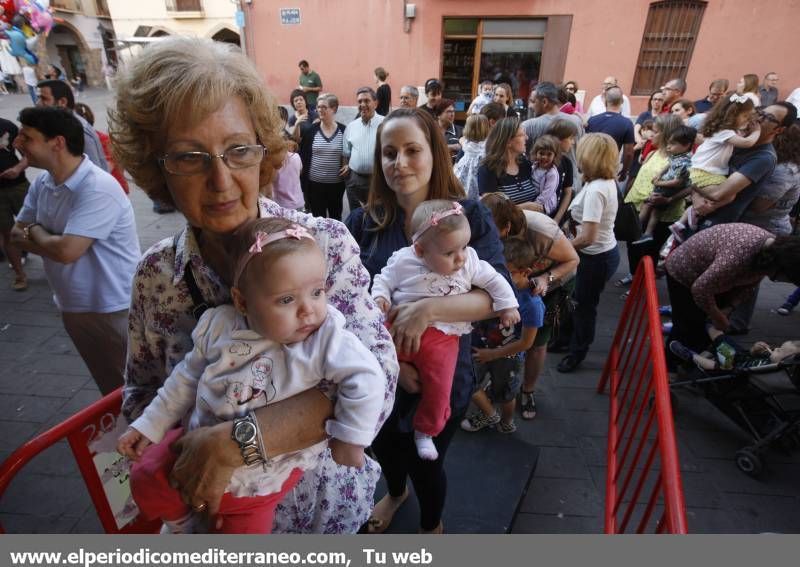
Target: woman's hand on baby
(383, 305)
(346, 454)
(509, 317)
(408, 321)
(204, 466)
(132, 444)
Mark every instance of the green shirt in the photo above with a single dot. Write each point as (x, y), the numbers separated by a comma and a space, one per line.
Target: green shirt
(311, 80)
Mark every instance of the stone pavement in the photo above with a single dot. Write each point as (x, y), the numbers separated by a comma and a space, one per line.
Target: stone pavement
(43, 381)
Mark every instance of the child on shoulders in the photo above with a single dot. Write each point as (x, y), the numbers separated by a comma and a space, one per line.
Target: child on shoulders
(438, 263)
(280, 338)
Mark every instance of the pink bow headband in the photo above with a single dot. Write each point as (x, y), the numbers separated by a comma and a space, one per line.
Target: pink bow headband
(436, 217)
(262, 240)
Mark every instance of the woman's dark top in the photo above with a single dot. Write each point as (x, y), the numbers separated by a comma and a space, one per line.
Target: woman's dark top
(377, 247)
(518, 188)
(384, 94)
(566, 178)
(306, 126)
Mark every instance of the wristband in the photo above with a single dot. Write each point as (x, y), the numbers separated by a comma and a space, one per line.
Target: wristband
(26, 232)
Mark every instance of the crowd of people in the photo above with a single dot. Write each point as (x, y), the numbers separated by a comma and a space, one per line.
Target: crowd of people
(285, 342)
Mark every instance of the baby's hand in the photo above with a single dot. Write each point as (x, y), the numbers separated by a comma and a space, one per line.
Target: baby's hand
(760, 347)
(383, 305)
(509, 317)
(132, 444)
(346, 454)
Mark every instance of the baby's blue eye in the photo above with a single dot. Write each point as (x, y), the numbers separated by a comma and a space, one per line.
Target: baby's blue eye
(286, 300)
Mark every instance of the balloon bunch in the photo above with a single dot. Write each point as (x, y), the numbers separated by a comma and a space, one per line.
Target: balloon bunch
(22, 21)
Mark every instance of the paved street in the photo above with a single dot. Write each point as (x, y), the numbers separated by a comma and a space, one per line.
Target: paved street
(43, 381)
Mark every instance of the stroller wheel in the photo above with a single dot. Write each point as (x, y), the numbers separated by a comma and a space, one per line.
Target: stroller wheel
(749, 462)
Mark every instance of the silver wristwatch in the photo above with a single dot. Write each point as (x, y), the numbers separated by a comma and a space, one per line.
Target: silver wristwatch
(245, 433)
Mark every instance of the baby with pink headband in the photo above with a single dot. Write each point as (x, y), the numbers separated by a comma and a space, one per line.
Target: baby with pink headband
(278, 339)
(439, 262)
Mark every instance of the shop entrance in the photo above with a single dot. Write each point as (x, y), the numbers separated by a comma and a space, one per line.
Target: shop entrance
(498, 50)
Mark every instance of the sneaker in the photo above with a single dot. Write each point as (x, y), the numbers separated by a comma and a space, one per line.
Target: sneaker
(785, 309)
(569, 363)
(646, 239)
(478, 421)
(624, 282)
(665, 310)
(504, 427)
(666, 328)
(681, 351)
(528, 405)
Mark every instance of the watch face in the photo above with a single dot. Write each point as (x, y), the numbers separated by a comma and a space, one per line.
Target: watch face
(244, 432)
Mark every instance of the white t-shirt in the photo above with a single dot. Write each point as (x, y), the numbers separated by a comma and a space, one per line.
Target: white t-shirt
(597, 202)
(598, 106)
(29, 75)
(714, 153)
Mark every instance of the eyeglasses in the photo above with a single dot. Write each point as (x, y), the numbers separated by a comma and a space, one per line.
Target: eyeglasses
(570, 89)
(666, 88)
(767, 116)
(192, 163)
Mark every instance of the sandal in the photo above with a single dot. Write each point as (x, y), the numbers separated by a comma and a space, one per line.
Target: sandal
(378, 525)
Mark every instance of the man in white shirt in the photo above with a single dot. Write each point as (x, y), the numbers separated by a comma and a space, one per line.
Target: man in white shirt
(359, 147)
(79, 221)
(29, 75)
(409, 95)
(598, 104)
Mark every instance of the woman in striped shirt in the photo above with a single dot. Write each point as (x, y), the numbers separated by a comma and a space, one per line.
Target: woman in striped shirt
(321, 152)
(506, 169)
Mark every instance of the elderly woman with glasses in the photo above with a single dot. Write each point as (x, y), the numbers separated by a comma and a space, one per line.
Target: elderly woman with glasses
(194, 126)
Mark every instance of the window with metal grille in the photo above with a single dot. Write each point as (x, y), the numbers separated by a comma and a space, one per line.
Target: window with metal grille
(669, 37)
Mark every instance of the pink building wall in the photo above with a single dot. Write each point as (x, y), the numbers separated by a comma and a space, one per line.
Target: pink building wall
(345, 40)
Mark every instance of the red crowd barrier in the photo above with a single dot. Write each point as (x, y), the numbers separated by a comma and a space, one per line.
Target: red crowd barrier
(644, 491)
(91, 436)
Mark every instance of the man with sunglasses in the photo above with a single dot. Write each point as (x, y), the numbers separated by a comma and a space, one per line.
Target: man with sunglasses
(749, 167)
(82, 225)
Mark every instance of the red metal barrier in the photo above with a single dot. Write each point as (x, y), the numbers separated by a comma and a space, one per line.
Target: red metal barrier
(84, 431)
(644, 491)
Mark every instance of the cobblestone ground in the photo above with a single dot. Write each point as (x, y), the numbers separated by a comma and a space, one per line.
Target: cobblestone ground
(43, 381)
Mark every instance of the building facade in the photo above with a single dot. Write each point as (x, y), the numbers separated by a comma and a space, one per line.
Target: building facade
(81, 41)
(157, 18)
(643, 43)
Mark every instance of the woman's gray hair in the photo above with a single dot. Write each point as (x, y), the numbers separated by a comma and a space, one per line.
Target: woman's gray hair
(185, 80)
(331, 99)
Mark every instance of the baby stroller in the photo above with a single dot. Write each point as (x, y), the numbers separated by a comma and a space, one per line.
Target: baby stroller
(761, 397)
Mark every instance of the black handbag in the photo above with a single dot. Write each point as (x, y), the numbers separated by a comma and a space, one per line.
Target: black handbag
(627, 226)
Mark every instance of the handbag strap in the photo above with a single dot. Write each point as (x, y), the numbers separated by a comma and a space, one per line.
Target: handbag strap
(199, 305)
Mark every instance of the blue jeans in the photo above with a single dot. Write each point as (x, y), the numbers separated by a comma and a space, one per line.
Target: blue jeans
(593, 273)
(32, 92)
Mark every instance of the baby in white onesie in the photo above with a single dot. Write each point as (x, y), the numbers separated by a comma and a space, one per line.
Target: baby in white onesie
(279, 338)
(438, 263)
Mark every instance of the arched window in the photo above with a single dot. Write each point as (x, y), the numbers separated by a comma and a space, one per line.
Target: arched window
(669, 37)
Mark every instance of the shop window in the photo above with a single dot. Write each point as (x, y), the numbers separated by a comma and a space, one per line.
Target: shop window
(507, 51)
(670, 33)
